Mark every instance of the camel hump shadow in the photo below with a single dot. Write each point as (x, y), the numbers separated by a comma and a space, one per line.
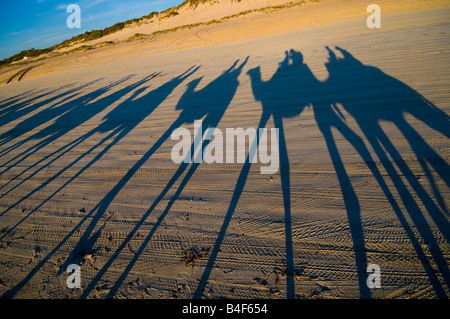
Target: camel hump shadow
(213, 99)
(380, 96)
(289, 90)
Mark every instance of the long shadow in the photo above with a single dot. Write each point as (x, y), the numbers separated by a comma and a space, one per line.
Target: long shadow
(337, 90)
(65, 123)
(231, 208)
(279, 100)
(75, 116)
(118, 120)
(209, 102)
(385, 98)
(7, 103)
(321, 97)
(61, 104)
(119, 131)
(112, 124)
(17, 106)
(139, 109)
(67, 114)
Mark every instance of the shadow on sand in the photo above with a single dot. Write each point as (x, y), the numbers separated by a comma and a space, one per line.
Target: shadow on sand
(364, 92)
(292, 87)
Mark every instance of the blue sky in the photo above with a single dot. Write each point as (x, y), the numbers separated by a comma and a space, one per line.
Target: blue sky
(39, 24)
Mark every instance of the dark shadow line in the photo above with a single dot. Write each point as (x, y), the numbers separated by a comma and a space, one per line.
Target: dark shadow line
(41, 117)
(414, 241)
(101, 206)
(77, 142)
(108, 198)
(58, 174)
(437, 194)
(72, 145)
(409, 202)
(419, 146)
(123, 276)
(352, 207)
(86, 242)
(389, 99)
(359, 145)
(13, 101)
(68, 148)
(63, 132)
(22, 105)
(173, 199)
(11, 293)
(286, 188)
(66, 111)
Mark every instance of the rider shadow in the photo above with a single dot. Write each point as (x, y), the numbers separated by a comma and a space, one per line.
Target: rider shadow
(279, 99)
(403, 100)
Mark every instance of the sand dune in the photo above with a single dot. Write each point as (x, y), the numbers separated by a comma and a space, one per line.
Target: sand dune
(363, 114)
(243, 20)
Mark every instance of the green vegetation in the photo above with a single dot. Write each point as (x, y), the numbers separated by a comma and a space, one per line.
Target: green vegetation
(168, 13)
(149, 16)
(84, 37)
(195, 3)
(137, 36)
(31, 53)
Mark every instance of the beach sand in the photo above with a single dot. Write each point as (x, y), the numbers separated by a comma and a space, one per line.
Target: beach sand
(363, 114)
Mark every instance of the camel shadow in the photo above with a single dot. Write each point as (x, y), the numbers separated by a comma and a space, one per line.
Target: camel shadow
(384, 98)
(370, 96)
(270, 94)
(209, 103)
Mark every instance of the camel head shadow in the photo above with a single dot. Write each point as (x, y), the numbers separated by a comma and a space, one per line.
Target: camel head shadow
(213, 99)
